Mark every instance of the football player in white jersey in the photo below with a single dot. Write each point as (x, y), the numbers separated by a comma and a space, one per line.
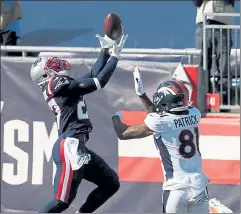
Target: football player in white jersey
(175, 128)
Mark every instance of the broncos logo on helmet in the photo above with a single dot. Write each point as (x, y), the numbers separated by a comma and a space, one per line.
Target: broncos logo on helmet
(171, 96)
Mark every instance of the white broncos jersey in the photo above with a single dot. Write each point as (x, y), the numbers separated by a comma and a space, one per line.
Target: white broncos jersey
(177, 140)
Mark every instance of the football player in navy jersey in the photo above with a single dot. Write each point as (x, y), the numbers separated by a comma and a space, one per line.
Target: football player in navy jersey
(65, 98)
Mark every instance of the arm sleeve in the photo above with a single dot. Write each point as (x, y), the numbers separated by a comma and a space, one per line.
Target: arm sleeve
(88, 75)
(99, 64)
(89, 85)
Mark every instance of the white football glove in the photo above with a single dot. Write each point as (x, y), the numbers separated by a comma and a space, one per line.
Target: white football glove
(118, 48)
(138, 82)
(105, 42)
(215, 206)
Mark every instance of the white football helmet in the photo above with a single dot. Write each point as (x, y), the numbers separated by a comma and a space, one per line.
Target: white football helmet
(46, 67)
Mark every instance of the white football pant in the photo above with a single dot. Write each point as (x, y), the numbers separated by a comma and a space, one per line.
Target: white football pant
(185, 201)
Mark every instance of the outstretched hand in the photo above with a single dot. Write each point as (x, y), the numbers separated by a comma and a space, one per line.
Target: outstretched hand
(105, 42)
(138, 82)
(116, 51)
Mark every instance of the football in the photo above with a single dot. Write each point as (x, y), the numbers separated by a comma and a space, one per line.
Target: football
(113, 26)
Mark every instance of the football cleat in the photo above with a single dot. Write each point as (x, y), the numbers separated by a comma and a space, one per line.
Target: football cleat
(215, 206)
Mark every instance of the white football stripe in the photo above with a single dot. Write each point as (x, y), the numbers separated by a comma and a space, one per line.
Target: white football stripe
(97, 83)
(211, 147)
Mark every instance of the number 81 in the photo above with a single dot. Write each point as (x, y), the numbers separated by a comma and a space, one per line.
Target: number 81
(186, 138)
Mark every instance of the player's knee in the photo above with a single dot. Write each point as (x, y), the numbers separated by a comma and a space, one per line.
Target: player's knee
(117, 184)
(110, 184)
(114, 184)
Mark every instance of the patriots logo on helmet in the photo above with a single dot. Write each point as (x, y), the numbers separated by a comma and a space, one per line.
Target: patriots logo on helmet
(46, 67)
(56, 64)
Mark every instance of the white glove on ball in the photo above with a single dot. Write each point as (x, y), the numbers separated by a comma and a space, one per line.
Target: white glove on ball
(118, 48)
(105, 42)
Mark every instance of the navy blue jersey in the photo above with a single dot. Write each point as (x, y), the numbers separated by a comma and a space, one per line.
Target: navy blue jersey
(64, 95)
(68, 106)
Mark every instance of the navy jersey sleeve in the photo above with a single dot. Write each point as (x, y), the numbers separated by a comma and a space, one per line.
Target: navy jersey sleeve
(97, 67)
(89, 85)
(99, 64)
(62, 84)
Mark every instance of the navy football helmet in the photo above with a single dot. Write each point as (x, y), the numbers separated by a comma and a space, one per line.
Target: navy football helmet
(171, 96)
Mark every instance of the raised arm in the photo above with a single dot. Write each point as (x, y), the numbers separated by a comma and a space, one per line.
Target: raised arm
(125, 132)
(105, 44)
(100, 62)
(146, 102)
(88, 85)
(98, 66)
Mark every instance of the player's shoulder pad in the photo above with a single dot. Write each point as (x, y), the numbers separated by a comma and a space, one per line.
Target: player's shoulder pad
(153, 115)
(57, 82)
(194, 111)
(156, 116)
(60, 81)
(152, 121)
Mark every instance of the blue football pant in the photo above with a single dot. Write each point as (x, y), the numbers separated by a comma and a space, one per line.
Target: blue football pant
(67, 181)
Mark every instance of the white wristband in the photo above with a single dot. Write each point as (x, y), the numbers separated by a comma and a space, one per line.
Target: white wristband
(119, 114)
